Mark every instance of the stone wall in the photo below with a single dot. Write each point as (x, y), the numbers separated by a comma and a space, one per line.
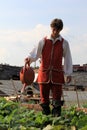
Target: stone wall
(7, 72)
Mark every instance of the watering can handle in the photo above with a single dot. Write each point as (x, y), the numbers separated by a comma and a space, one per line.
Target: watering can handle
(27, 63)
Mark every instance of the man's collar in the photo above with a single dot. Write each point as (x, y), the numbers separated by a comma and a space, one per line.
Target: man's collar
(58, 38)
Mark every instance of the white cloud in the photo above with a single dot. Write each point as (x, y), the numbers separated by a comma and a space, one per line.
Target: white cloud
(15, 44)
(79, 49)
(2, 52)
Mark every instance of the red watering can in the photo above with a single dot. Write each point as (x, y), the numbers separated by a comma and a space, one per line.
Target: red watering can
(27, 75)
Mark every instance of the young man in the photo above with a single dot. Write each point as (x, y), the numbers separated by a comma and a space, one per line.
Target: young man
(51, 73)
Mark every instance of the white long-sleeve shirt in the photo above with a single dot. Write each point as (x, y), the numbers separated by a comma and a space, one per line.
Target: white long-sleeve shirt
(37, 52)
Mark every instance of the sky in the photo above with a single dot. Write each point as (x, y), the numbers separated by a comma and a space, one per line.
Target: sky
(24, 22)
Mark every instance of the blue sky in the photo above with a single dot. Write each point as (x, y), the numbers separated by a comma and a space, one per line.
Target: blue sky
(24, 22)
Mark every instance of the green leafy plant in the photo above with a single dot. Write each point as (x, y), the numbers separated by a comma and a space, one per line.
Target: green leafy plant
(13, 116)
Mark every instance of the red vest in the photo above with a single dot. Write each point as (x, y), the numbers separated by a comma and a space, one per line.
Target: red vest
(51, 63)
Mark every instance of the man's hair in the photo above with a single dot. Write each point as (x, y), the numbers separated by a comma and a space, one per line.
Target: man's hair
(57, 23)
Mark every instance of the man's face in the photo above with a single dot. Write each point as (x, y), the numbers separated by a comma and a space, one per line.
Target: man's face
(55, 32)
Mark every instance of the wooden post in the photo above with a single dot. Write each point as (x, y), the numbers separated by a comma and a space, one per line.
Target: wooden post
(77, 97)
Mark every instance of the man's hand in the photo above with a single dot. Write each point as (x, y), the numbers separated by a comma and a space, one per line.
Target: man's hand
(27, 61)
(68, 79)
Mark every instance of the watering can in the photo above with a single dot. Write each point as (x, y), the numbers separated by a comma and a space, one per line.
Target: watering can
(27, 75)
